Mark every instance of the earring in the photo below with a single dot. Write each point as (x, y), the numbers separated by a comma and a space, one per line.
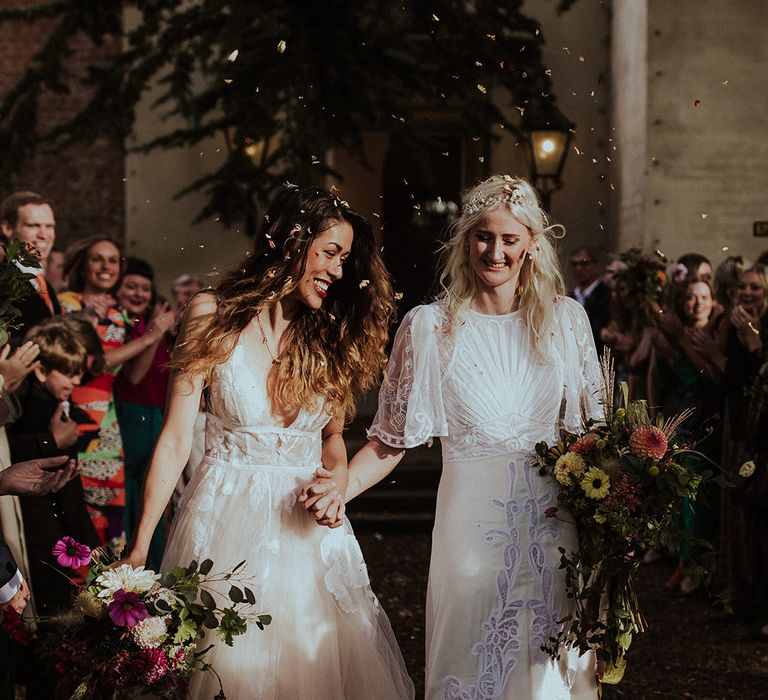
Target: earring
(530, 255)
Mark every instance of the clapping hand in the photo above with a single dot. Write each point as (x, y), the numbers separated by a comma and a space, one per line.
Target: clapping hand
(323, 500)
(32, 478)
(16, 367)
(163, 320)
(747, 327)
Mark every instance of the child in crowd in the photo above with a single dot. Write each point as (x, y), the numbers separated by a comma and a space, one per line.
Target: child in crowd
(45, 429)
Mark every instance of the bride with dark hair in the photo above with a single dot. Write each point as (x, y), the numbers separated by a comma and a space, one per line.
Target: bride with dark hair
(280, 347)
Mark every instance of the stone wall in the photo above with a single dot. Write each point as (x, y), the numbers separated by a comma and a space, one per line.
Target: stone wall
(707, 156)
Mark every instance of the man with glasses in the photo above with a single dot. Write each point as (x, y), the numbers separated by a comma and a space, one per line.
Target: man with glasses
(590, 291)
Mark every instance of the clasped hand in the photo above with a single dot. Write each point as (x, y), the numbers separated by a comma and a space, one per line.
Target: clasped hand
(323, 500)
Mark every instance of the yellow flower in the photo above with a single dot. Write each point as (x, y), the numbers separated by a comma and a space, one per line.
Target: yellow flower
(599, 518)
(568, 464)
(596, 483)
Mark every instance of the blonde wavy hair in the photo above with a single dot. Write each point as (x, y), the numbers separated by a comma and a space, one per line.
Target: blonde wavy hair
(336, 351)
(540, 278)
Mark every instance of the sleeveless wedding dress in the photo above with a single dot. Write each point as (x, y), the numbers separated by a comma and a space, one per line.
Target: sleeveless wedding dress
(329, 638)
(495, 591)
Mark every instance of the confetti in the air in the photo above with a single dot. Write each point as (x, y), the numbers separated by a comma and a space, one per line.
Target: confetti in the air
(704, 216)
(482, 88)
(281, 46)
(435, 18)
(364, 283)
(233, 56)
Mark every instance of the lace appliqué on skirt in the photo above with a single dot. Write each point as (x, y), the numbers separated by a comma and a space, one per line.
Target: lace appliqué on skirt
(502, 637)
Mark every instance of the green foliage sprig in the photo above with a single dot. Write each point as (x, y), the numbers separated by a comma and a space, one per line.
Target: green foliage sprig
(14, 283)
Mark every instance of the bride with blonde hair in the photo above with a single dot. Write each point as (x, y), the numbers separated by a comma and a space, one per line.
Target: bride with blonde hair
(498, 363)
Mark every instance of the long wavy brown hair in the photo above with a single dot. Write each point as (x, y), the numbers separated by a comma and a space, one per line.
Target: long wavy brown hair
(336, 351)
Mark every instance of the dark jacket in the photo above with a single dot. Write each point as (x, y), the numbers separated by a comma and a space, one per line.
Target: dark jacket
(47, 518)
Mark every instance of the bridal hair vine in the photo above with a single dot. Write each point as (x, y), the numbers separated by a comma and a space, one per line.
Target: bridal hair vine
(509, 195)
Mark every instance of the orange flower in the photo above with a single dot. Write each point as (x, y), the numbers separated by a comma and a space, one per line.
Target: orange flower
(648, 442)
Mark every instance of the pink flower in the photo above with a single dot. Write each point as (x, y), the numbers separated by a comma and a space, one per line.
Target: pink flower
(585, 445)
(126, 610)
(679, 272)
(71, 554)
(150, 666)
(648, 442)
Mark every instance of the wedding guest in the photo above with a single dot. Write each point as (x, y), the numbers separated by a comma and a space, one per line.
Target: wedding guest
(500, 362)
(745, 354)
(696, 266)
(44, 429)
(93, 267)
(184, 288)
(687, 367)
(140, 391)
(280, 347)
(726, 279)
(29, 217)
(590, 290)
(54, 270)
(33, 478)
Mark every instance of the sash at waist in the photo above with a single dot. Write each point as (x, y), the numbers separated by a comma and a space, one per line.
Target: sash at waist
(244, 466)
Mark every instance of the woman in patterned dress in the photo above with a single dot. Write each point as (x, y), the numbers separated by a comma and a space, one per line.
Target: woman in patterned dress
(92, 268)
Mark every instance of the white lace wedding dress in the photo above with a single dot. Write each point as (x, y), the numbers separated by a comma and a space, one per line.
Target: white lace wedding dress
(495, 591)
(329, 638)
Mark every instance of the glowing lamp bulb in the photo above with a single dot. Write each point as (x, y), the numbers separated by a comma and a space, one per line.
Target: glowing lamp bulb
(547, 146)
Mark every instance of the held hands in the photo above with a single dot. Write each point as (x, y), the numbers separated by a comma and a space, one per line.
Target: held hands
(16, 367)
(30, 478)
(323, 500)
(19, 600)
(134, 557)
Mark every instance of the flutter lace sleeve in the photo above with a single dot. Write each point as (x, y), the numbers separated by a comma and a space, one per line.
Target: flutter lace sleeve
(583, 379)
(411, 410)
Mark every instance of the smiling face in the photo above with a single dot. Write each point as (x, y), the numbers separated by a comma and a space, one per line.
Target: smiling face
(58, 384)
(750, 292)
(134, 294)
(325, 258)
(698, 303)
(497, 246)
(36, 226)
(102, 267)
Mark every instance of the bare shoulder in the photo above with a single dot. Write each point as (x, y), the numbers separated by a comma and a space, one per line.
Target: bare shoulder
(203, 303)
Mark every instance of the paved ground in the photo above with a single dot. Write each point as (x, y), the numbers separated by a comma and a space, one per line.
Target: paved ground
(684, 654)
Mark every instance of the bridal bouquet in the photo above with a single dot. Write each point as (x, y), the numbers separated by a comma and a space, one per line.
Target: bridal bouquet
(133, 630)
(623, 481)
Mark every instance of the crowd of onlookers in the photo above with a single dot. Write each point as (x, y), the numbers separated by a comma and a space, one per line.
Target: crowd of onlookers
(86, 370)
(85, 374)
(691, 334)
